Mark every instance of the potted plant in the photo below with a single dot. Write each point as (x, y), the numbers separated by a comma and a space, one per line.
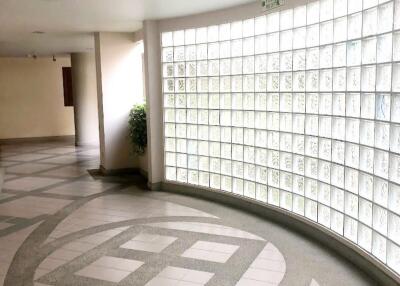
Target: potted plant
(138, 128)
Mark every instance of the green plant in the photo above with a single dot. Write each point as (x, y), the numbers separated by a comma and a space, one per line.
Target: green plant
(138, 128)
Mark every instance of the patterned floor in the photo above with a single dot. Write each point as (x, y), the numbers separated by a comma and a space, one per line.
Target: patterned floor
(59, 225)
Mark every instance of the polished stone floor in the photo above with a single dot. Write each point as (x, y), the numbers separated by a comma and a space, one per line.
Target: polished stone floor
(61, 224)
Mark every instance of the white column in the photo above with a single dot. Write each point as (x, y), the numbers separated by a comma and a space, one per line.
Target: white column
(85, 99)
(154, 104)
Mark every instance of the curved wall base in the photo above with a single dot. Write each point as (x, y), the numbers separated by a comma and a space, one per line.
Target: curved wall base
(345, 248)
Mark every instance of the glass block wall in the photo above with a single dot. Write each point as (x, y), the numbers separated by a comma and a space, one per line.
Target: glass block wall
(298, 109)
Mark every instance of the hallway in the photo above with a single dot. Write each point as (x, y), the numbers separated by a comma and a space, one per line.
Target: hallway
(63, 225)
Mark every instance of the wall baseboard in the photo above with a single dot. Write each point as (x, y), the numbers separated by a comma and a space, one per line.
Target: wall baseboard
(10, 141)
(371, 267)
(123, 171)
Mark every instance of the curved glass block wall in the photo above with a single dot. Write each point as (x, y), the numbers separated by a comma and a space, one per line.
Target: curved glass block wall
(298, 109)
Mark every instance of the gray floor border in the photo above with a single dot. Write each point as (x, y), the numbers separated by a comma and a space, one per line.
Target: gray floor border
(371, 267)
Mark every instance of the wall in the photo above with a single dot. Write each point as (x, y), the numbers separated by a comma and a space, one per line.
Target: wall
(85, 99)
(31, 98)
(119, 87)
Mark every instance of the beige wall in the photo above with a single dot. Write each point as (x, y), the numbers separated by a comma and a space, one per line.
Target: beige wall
(31, 98)
(119, 87)
(85, 99)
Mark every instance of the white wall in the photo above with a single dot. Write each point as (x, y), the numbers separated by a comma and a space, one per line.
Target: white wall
(31, 98)
(119, 87)
(85, 99)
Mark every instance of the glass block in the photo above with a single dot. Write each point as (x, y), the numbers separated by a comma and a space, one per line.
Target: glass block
(179, 38)
(367, 163)
(351, 205)
(248, 28)
(325, 149)
(300, 16)
(312, 36)
(168, 54)
(338, 152)
(396, 46)
(365, 237)
(325, 57)
(367, 132)
(299, 81)
(298, 204)
(299, 60)
(379, 245)
(369, 3)
(366, 184)
(170, 173)
(396, 78)
(249, 189)
(380, 219)
(339, 79)
(395, 138)
(326, 10)
(285, 82)
(261, 193)
(340, 30)
(325, 80)
(166, 39)
(190, 36)
(226, 183)
(248, 46)
(339, 55)
(385, 17)
(338, 102)
(260, 25)
(354, 53)
(312, 13)
(273, 42)
(369, 50)
(354, 26)
(394, 168)
(286, 40)
(260, 44)
(337, 199)
(351, 180)
(365, 214)
(273, 63)
(351, 229)
(260, 63)
(225, 49)
(299, 102)
(352, 155)
(273, 22)
(190, 53)
(179, 54)
(368, 76)
(397, 16)
(286, 200)
(353, 105)
(286, 19)
(381, 192)
(224, 32)
(337, 175)
(381, 164)
(368, 105)
(312, 80)
(324, 171)
(193, 177)
(340, 8)
(393, 256)
(394, 198)
(201, 35)
(298, 144)
(338, 128)
(382, 135)
(370, 21)
(181, 175)
(299, 38)
(382, 107)
(273, 196)
(201, 52)
(311, 209)
(354, 6)
(237, 48)
(353, 79)
(337, 222)
(384, 47)
(226, 167)
(204, 179)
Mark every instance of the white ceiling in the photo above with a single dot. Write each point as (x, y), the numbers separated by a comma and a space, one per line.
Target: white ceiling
(69, 24)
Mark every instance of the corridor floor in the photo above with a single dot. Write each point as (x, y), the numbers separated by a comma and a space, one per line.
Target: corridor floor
(63, 225)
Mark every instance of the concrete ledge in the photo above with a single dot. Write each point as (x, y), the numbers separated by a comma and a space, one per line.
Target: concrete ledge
(370, 266)
(10, 141)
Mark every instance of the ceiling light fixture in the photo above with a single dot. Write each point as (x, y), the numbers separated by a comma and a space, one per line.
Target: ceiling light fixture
(54, 58)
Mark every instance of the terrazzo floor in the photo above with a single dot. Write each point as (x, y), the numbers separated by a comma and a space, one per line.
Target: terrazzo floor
(59, 225)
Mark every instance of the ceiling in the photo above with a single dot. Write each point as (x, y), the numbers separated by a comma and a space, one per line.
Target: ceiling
(68, 25)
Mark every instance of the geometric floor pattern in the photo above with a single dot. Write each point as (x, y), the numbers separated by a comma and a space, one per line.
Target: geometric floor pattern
(61, 226)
